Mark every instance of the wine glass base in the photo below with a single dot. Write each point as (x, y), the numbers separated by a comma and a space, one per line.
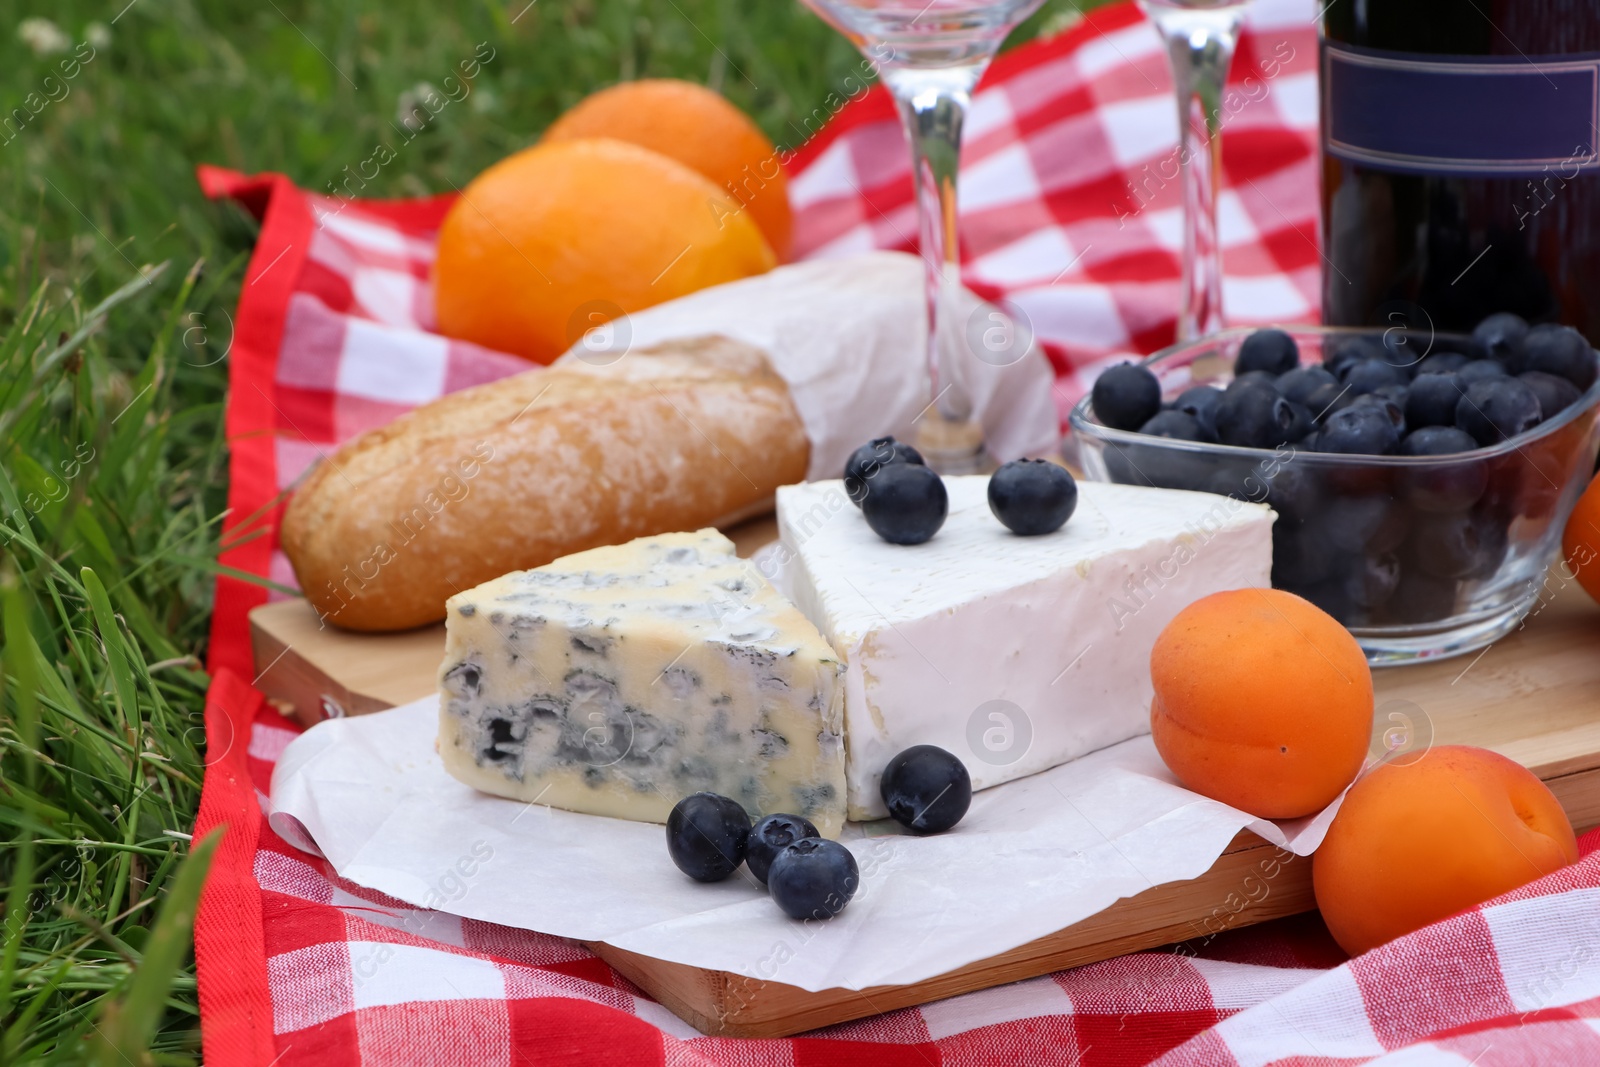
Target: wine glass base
(950, 446)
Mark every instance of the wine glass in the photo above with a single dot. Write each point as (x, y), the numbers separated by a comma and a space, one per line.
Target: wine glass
(930, 54)
(1200, 37)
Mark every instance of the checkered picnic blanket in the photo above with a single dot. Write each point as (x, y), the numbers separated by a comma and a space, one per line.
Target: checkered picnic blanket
(299, 967)
(1071, 216)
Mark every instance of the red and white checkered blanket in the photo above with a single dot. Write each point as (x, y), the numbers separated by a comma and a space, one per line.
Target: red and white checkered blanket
(298, 967)
(1071, 215)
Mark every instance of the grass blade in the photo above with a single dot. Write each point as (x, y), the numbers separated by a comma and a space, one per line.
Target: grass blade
(45, 368)
(20, 690)
(123, 1035)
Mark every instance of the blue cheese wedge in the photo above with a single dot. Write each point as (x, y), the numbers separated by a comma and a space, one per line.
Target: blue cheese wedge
(1015, 653)
(619, 680)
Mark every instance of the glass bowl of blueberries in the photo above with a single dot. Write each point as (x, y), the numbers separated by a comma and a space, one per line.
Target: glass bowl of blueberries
(1421, 481)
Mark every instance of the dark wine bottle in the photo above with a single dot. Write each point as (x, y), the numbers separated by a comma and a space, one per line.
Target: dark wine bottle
(1460, 170)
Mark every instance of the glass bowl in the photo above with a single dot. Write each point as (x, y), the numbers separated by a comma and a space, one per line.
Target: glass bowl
(1419, 557)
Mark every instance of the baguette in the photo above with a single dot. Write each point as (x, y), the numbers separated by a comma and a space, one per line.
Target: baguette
(513, 474)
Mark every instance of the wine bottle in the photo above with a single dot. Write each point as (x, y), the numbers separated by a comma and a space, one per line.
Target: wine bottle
(1461, 162)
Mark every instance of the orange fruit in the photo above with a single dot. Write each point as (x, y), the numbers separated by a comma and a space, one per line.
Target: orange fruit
(700, 129)
(560, 238)
(1262, 701)
(1416, 842)
(1580, 544)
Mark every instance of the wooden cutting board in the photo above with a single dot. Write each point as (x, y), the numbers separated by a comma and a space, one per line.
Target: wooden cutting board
(1533, 696)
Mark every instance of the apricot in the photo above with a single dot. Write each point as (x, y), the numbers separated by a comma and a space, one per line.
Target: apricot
(1416, 842)
(1262, 701)
(1580, 544)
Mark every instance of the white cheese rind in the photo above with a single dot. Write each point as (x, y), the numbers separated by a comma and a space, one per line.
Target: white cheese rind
(1015, 653)
(618, 681)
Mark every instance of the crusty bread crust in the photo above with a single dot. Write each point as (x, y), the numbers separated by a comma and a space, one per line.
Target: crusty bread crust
(513, 474)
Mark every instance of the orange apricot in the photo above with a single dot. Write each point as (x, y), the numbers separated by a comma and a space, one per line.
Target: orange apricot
(1419, 841)
(1580, 543)
(1262, 701)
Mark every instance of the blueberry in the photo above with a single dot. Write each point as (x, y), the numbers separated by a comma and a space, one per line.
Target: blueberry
(772, 835)
(865, 462)
(1294, 491)
(1340, 352)
(1359, 430)
(1300, 384)
(1555, 394)
(1449, 485)
(1124, 465)
(1446, 546)
(1238, 482)
(1445, 487)
(1502, 336)
(1404, 350)
(1391, 408)
(926, 789)
(1254, 416)
(1437, 441)
(1200, 402)
(1304, 422)
(1126, 397)
(1494, 410)
(1370, 580)
(1035, 496)
(1433, 399)
(1301, 554)
(1373, 523)
(1326, 399)
(1178, 425)
(1506, 484)
(1396, 393)
(1481, 370)
(1493, 540)
(1441, 363)
(1252, 378)
(814, 878)
(907, 504)
(707, 836)
(1562, 351)
(1270, 350)
(1421, 597)
(1370, 374)
(1173, 468)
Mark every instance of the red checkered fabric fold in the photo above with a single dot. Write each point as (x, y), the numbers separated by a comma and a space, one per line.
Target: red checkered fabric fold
(1070, 215)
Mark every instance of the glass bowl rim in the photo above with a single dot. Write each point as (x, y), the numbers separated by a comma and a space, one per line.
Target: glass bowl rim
(1081, 422)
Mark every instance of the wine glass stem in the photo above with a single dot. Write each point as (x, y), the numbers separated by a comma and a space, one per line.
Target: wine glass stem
(933, 104)
(1201, 53)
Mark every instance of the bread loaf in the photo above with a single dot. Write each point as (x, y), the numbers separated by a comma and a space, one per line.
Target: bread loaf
(513, 474)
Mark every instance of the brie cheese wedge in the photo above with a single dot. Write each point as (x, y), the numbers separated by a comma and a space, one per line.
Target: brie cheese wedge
(1015, 653)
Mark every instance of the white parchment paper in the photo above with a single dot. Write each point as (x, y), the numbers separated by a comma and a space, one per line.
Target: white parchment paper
(1030, 858)
(849, 335)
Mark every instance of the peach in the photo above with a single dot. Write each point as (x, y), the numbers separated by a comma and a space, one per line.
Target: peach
(1416, 842)
(1262, 701)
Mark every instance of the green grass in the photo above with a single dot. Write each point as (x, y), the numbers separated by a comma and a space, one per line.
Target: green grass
(117, 281)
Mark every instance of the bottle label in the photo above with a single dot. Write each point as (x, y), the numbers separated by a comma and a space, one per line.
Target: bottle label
(1466, 115)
